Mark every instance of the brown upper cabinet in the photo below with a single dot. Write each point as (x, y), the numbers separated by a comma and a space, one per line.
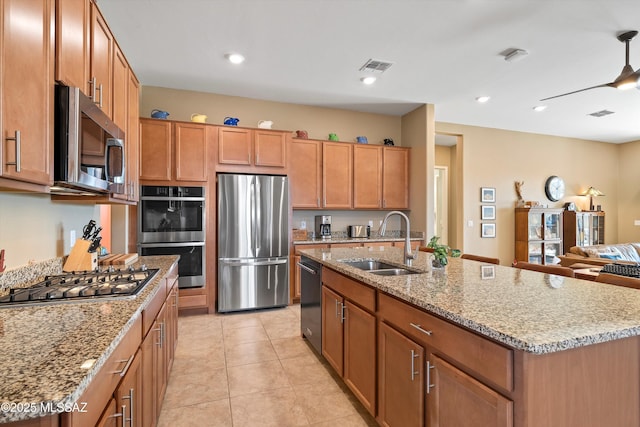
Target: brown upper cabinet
(395, 178)
(337, 170)
(251, 148)
(305, 173)
(338, 175)
(367, 176)
(26, 55)
(72, 42)
(173, 150)
(101, 62)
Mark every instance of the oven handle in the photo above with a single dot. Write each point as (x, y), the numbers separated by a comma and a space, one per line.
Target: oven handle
(170, 245)
(249, 263)
(162, 199)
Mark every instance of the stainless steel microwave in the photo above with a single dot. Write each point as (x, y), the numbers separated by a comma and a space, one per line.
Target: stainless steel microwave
(89, 152)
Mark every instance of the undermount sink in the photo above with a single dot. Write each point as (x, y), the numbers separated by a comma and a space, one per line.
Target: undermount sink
(380, 268)
(393, 272)
(370, 265)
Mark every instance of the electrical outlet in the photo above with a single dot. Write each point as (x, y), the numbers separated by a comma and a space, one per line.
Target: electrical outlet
(470, 223)
(370, 223)
(72, 238)
(636, 222)
(303, 225)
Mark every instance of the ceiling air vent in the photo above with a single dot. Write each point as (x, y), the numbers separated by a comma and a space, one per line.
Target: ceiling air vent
(376, 66)
(601, 113)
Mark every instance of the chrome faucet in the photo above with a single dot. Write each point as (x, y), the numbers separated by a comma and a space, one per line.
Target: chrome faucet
(408, 256)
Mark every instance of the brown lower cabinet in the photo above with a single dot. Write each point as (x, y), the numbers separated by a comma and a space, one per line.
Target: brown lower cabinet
(349, 334)
(400, 378)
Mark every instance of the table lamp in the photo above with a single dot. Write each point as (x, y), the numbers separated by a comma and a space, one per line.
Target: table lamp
(592, 192)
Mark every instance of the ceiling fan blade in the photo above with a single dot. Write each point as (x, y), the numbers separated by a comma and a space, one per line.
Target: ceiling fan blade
(581, 90)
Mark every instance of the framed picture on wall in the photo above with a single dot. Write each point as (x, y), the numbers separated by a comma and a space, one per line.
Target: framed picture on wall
(488, 229)
(487, 195)
(488, 212)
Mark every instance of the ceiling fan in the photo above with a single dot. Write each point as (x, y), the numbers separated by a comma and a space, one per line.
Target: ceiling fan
(626, 80)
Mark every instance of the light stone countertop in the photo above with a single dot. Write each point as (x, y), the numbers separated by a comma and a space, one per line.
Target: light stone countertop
(42, 347)
(522, 309)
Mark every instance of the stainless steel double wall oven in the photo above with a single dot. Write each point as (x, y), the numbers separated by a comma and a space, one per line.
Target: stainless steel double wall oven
(171, 221)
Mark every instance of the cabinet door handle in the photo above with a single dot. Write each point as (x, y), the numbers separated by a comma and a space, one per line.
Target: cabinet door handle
(337, 302)
(413, 362)
(418, 327)
(318, 201)
(92, 83)
(123, 371)
(130, 398)
(18, 140)
(384, 203)
(100, 100)
(429, 368)
(342, 311)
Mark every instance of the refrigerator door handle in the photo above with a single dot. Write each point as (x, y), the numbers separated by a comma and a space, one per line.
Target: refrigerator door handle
(258, 216)
(239, 263)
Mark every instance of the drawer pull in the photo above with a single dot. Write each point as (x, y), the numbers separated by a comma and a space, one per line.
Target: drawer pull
(413, 363)
(429, 368)
(418, 327)
(124, 370)
(130, 398)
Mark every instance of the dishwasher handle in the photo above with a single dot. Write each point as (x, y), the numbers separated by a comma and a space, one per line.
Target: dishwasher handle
(307, 269)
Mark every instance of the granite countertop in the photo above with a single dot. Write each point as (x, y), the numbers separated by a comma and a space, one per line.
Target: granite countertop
(43, 347)
(344, 239)
(522, 309)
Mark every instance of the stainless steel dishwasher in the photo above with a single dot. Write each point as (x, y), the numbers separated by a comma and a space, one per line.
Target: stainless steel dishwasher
(310, 301)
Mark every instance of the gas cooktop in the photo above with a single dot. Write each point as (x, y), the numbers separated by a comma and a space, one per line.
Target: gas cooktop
(110, 283)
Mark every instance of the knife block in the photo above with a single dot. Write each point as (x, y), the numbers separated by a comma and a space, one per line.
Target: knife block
(79, 259)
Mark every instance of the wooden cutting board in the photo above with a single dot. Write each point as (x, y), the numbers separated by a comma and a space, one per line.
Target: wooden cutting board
(118, 259)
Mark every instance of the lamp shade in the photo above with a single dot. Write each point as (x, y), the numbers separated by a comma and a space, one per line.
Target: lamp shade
(592, 192)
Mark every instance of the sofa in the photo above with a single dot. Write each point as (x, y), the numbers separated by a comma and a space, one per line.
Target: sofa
(600, 255)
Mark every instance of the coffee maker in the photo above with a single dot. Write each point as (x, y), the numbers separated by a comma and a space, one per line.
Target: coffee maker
(323, 226)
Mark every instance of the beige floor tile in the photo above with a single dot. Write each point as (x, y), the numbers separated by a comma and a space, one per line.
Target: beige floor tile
(283, 329)
(251, 352)
(291, 347)
(324, 401)
(305, 370)
(237, 336)
(215, 413)
(256, 377)
(277, 408)
(191, 365)
(350, 421)
(277, 315)
(213, 352)
(193, 388)
(240, 320)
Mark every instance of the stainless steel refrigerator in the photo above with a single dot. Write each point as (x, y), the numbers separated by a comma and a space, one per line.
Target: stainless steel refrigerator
(253, 244)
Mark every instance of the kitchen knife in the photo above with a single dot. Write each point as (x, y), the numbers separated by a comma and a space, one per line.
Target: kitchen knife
(88, 229)
(95, 244)
(97, 231)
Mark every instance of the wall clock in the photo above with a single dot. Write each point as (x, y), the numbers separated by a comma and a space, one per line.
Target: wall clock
(554, 188)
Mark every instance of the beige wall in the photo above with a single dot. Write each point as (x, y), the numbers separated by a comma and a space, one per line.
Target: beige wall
(498, 158)
(317, 121)
(628, 193)
(32, 227)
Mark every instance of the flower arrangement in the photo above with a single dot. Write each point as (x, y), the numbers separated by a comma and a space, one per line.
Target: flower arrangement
(441, 252)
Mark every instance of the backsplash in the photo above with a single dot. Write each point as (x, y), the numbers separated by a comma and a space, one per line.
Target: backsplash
(31, 273)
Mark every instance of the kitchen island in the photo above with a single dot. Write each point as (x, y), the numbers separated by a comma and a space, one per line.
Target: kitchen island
(482, 344)
(54, 357)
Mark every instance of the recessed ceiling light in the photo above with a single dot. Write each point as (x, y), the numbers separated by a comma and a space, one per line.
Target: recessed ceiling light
(483, 99)
(539, 108)
(235, 58)
(368, 80)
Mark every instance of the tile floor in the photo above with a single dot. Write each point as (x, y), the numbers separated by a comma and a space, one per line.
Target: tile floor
(253, 369)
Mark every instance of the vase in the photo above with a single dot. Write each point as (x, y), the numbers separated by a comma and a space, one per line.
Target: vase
(436, 264)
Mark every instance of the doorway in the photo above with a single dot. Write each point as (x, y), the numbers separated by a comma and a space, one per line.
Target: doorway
(441, 205)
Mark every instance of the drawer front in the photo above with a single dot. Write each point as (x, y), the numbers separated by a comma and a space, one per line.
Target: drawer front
(357, 292)
(480, 355)
(152, 309)
(104, 383)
